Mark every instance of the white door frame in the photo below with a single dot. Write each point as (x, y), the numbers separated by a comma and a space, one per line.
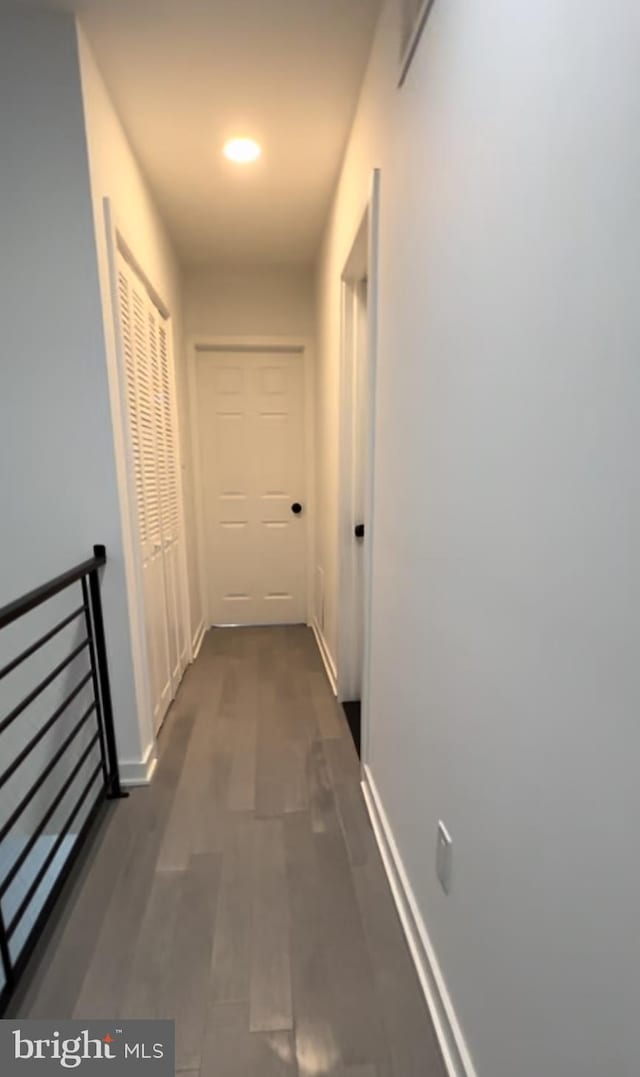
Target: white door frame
(302, 346)
(361, 260)
(116, 243)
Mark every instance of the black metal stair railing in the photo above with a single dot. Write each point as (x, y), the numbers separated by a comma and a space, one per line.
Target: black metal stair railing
(45, 818)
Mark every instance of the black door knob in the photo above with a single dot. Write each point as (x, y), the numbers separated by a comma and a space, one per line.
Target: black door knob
(296, 508)
(359, 530)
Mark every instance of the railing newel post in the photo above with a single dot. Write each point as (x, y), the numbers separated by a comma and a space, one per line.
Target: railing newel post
(114, 788)
(94, 680)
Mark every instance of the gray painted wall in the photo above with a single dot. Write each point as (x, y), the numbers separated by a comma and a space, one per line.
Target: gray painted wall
(58, 491)
(505, 672)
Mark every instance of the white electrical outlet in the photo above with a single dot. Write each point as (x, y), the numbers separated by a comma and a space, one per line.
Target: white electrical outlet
(444, 851)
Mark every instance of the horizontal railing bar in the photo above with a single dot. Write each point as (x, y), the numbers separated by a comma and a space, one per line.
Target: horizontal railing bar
(15, 815)
(11, 769)
(41, 687)
(41, 642)
(15, 867)
(20, 606)
(26, 901)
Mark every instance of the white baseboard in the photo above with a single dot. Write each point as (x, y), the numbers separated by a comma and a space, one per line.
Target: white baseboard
(197, 640)
(139, 772)
(452, 1044)
(325, 654)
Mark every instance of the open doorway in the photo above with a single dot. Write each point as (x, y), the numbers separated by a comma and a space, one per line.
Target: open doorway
(357, 394)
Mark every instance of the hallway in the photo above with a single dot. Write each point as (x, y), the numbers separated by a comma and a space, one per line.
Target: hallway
(242, 893)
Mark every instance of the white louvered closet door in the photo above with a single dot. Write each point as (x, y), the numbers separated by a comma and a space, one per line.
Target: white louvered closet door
(169, 499)
(152, 434)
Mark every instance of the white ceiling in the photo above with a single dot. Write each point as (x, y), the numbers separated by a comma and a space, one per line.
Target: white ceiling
(186, 74)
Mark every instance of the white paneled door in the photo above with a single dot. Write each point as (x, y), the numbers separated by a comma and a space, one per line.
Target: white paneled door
(253, 489)
(153, 439)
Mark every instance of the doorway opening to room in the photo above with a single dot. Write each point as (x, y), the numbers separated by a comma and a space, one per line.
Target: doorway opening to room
(357, 396)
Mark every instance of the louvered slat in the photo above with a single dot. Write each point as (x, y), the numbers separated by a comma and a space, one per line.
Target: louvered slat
(158, 419)
(146, 403)
(169, 434)
(124, 295)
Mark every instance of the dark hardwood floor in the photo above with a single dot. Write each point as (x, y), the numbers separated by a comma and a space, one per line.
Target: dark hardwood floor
(242, 893)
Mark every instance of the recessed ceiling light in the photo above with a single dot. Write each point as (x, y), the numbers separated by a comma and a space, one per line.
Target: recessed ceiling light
(242, 150)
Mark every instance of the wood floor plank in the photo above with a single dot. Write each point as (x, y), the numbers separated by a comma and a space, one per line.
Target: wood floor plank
(186, 993)
(234, 1052)
(241, 790)
(321, 797)
(357, 1013)
(113, 951)
(189, 829)
(228, 1015)
(231, 956)
(143, 994)
(211, 831)
(410, 1032)
(239, 708)
(344, 767)
(184, 823)
(343, 759)
(316, 1041)
(271, 1007)
(326, 708)
(282, 769)
(311, 657)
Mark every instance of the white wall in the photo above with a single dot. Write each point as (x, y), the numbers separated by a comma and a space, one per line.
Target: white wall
(505, 683)
(277, 301)
(115, 174)
(263, 301)
(57, 473)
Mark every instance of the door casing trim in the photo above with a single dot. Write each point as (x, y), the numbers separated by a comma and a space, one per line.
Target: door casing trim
(368, 220)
